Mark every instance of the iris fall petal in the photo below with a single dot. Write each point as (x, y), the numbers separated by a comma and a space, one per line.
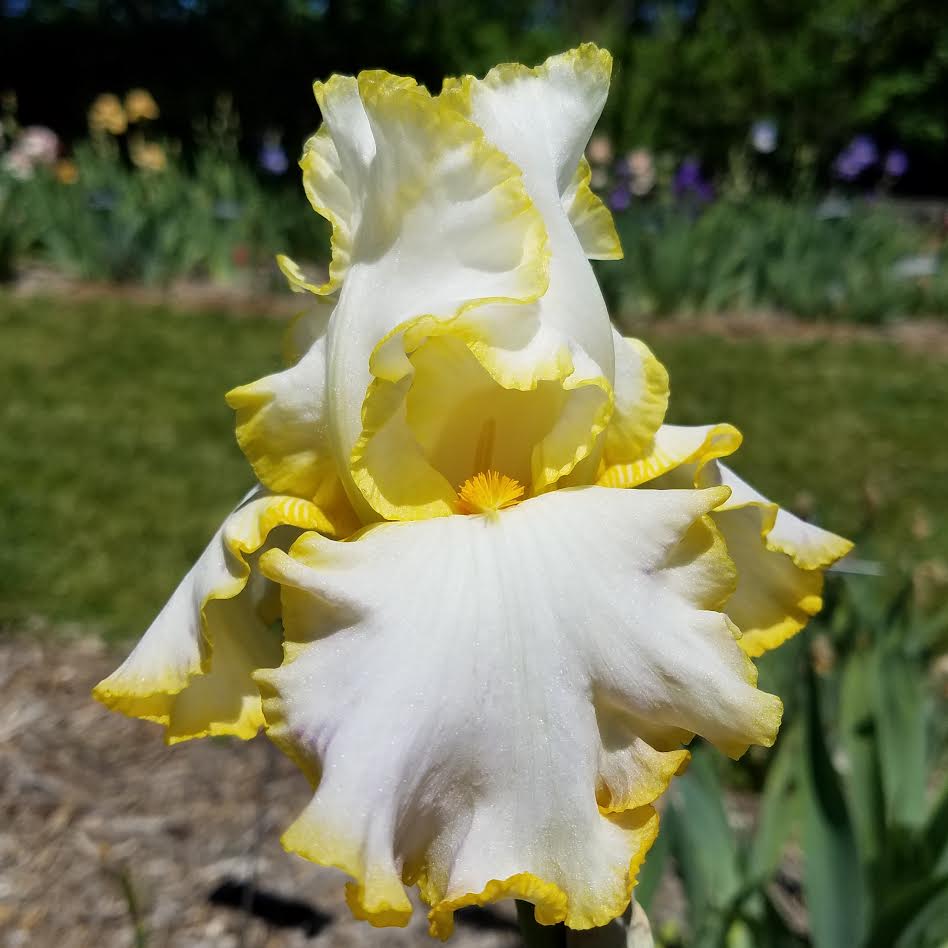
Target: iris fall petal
(192, 669)
(525, 683)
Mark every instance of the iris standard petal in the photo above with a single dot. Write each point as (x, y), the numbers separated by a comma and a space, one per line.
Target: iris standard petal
(590, 217)
(641, 399)
(488, 705)
(441, 225)
(541, 119)
(192, 669)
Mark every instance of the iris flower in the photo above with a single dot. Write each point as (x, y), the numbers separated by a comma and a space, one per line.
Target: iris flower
(508, 594)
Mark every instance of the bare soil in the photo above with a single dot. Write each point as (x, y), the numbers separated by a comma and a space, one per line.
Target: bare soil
(108, 836)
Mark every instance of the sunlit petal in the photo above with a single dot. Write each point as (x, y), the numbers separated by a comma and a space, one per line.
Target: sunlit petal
(192, 669)
(684, 448)
(590, 217)
(524, 682)
(780, 560)
(641, 399)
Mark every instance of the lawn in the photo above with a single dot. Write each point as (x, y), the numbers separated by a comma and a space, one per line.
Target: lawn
(117, 456)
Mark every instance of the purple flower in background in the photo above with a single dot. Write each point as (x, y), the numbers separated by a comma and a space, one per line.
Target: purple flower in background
(846, 166)
(272, 156)
(690, 182)
(861, 153)
(763, 136)
(896, 163)
(687, 175)
(620, 198)
(863, 150)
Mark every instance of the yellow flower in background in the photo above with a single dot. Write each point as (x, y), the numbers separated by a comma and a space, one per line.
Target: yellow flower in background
(66, 171)
(149, 156)
(107, 115)
(509, 593)
(140, 106)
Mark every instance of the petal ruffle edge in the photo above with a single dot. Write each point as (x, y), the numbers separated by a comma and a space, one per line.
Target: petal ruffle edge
(192, 669)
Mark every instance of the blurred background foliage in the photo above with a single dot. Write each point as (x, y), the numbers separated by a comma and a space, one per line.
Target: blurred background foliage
(692, 75)
(757, 155)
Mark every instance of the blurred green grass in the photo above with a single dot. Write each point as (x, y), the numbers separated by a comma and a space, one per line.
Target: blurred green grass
(118, 461)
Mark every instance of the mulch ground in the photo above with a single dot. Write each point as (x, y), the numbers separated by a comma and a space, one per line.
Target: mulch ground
(110, 838)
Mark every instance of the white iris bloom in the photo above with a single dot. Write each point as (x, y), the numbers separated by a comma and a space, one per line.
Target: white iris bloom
(509, 594)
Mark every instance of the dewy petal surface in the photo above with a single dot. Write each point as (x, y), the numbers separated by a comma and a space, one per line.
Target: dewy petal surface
(192, 669)
(487, 706)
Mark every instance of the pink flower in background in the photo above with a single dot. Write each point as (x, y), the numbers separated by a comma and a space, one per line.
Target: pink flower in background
(599, 150)
(34, 147)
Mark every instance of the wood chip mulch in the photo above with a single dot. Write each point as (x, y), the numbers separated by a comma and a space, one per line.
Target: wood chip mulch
(110, 838)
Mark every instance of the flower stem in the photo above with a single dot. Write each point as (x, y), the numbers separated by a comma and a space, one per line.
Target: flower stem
(534, 934)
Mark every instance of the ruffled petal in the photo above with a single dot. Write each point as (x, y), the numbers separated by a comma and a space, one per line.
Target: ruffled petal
(591, 219)
(453, 247)
(674, 447)
(192, 669)
(780, 561)
(298, 279)
(283, 429)
(331, 198)
(641, 399)
(282, 424)
(488, 705)
(541, 119)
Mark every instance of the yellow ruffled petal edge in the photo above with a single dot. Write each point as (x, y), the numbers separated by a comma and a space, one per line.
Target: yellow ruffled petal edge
(151, 699)
(295, 467)
(810, 564)
(551, 903)
(718, 441)
(587, 60)
(329, 196)
(665, 766)
(756, 642)
(385, 904)
(635, 423)
(297, 279)
(591, 219)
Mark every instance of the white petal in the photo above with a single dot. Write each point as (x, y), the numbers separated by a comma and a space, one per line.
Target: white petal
(192, 669)
(451, 686)
(542, 119)
(780, 561)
